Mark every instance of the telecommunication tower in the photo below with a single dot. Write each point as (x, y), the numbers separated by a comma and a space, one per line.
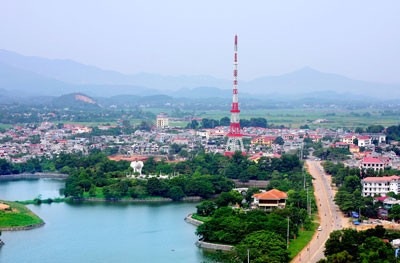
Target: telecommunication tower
(235, 142)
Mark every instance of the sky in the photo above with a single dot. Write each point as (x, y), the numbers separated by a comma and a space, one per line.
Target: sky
(359, 39)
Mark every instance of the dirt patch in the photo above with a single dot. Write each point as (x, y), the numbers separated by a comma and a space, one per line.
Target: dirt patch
(4, 206)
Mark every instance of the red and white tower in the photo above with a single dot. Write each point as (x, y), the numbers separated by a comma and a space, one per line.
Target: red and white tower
(235, 142)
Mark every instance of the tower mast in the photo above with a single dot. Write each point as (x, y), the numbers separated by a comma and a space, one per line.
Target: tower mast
(235, 142)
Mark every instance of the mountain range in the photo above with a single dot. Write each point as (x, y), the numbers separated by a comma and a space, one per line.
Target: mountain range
(27, 76)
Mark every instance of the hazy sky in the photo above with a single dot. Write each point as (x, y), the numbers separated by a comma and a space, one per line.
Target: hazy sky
(359, 38)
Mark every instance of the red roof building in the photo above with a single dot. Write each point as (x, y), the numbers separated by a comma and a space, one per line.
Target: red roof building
(270, 199)
(372, 163)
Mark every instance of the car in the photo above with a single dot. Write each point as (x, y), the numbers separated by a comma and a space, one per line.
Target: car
(319, 228)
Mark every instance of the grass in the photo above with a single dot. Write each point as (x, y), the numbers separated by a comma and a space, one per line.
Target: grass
(300, 116)
(296, 245)
(201, 218)
(18, 216)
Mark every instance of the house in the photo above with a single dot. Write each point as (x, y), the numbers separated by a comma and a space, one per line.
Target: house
(270, 199)
(341, 145)
(373, 163)
(354, 148)
(372, 186)
(349, 139)
(364, 141)
(263, 140)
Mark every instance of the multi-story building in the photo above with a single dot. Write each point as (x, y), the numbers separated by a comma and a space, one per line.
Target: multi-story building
(162, 121)
(364, 141)
(373, 163)
(349, 139)
(380, 185)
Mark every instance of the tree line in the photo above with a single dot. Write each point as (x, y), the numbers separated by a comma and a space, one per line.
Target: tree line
(207, 123)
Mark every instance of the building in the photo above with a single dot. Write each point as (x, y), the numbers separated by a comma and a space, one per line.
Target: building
(270, 199)
(373, 163)
(364, 141)
(263, 140)
(349, 139)
(162, 121)
(354, 148)
(380, 186)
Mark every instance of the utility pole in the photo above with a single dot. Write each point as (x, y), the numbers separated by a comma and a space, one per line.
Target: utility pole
(248, 255)
(287, 236)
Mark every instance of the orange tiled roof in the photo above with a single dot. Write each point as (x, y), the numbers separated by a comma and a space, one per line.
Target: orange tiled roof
(273, 194)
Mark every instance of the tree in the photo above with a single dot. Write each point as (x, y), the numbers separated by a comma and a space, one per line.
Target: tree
(229, 198)
(176, 193)
(375, 129)
(145, 126)
(194, 124)
(225, 121)
(263, 246)
(374, 249)
(394, 213)
(156, 186)
(206, 208)
(279, 140)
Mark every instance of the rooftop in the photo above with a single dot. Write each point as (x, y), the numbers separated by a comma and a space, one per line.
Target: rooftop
(273, 194)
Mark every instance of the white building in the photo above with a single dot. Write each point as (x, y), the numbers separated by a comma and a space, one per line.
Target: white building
(373, 163)
(380, 185)
(162, 121)
(364, 141)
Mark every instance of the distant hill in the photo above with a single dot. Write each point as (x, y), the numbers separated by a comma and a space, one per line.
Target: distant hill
(75, 101)
(307, 80)
(29, 76)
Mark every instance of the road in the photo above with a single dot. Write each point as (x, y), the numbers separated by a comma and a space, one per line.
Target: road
(330, 217)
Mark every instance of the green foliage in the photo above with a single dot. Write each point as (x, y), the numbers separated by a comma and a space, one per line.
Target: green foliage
(279, 140)
(206, 208)
(231, 226)
(337, 154)
(394, 213)
(393, 133)
(228, 198)
(363, 246)
(263, 246)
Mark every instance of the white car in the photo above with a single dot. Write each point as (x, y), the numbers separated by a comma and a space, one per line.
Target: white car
(319, 228)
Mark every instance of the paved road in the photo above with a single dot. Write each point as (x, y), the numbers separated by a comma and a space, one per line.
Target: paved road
(330, 217)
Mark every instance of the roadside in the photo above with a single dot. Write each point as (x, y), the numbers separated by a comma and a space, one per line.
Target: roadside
(329, 216)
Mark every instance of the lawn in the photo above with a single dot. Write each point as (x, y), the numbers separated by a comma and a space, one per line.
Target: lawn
(18, 216)
(296, 245)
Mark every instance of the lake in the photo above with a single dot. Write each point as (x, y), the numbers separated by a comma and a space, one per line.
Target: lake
(98, 232)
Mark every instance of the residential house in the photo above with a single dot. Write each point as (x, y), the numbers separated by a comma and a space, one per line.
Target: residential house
(270, 199)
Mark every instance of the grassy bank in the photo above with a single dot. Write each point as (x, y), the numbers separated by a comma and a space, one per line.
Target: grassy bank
(201, 218)
(17, 215)
(304, 238)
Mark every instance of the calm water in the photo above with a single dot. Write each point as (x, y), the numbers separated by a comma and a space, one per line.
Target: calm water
(98, 232)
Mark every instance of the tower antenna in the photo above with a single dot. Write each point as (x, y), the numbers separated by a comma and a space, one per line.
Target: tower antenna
(235, 142)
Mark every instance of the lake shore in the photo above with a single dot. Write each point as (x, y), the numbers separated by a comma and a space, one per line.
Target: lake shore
(18, 217)
(138, 200)
(33, 176)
